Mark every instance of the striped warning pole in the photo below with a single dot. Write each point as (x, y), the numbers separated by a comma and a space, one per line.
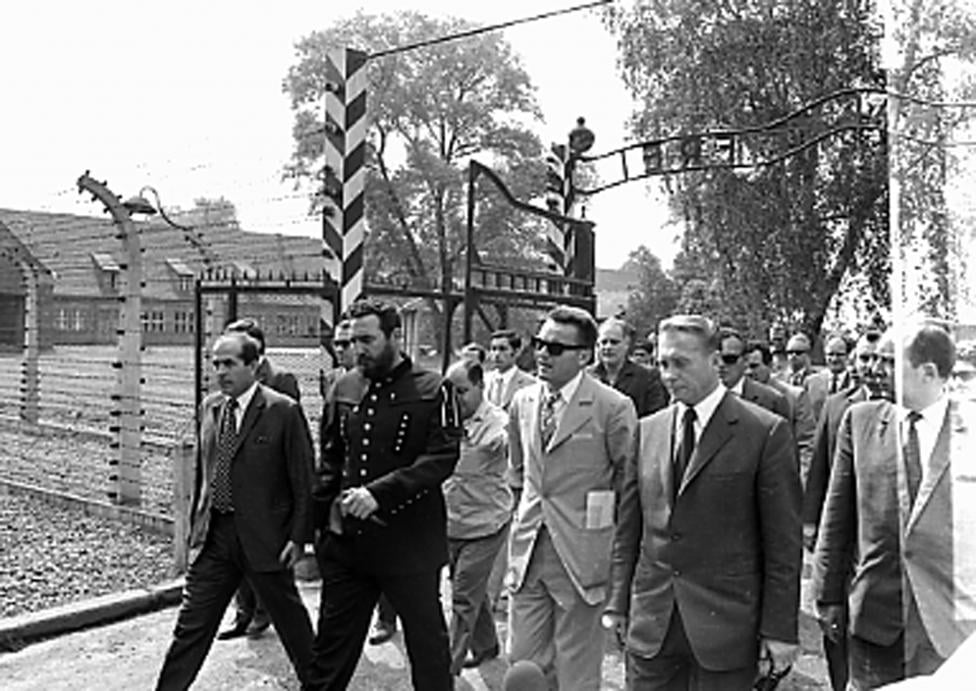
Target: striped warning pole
(556, 235)
(343, 231)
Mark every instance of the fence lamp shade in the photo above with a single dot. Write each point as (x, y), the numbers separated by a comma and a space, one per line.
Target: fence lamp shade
(139, 205)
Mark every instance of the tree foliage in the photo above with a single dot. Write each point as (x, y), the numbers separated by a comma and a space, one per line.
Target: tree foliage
(773, 244)
(431, 110)
(656, 295)
(929, 37)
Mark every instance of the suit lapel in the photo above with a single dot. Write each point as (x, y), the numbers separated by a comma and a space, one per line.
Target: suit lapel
(716, 433)
(250, 417)
(578, 412)
(937, 466)
(664, 447)
(532, 401)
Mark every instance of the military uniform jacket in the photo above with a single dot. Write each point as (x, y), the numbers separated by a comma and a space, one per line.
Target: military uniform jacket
(398, 437)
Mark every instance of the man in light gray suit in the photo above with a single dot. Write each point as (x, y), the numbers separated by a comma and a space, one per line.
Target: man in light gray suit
(570, 438)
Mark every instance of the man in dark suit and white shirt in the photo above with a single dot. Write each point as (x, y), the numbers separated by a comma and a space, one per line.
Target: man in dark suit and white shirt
(250, 616)
(250, 512)
(706, 556)
(898, 471)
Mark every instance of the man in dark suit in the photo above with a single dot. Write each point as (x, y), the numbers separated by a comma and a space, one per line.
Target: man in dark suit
(706, 555)
(250, 617)
(250, 512)
(393, 439)
(815, 489)
(897, 473)
(615, 369)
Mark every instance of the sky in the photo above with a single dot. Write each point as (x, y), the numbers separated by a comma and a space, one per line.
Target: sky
(186, 97)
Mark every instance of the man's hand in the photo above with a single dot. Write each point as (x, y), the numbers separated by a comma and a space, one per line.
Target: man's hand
(831, 618)
(618, 624)
(775, 656)
(358, 503)
(290, 554)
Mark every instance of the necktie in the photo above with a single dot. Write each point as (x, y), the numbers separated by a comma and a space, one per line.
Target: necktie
(495, 392)
(683, 457)
(547, 419)
(913, 457)
(226, 437)
(833, 383)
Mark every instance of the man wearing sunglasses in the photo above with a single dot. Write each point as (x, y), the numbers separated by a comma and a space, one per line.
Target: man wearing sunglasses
(867, 363)
(570, 437)
(834, 377)
(798, 358)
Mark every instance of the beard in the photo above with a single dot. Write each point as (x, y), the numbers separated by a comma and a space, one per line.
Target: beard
(379, 366)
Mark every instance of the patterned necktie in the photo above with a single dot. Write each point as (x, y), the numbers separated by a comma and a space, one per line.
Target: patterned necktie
(226, 438)
(683, 457)
(913, 457)
(547, 420)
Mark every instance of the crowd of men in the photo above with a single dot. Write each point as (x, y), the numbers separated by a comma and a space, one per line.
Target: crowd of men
(660, 491)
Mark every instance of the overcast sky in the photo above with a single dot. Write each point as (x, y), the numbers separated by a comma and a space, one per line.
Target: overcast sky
(186, 96)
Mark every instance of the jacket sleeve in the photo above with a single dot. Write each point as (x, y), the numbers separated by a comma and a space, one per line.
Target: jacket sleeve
(627, 536)
(819, 472)
(300, 459)
(434, 464)
(804, 425)
(835, 539)
(331, 460)
(779, 497)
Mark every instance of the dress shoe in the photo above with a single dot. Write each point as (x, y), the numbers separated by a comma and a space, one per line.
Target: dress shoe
(475, 660)
(258, 626)
(236, 631)
(381, 633)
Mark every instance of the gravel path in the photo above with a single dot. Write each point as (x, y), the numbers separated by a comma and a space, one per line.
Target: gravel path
(51, 556)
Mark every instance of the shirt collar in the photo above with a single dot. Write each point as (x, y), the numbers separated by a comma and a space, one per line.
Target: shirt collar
(244, 400)
(738, 386)
(706, 407)
(568, 389)
(933, 414)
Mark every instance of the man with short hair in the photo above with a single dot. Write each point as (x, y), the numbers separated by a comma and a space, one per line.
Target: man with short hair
(505, 377)
(706, 555)
(250, 512)
(798, 358)
(833, 378)
(643, 353)
(392, 441)
(479, 508)
(891, 507)
(799, 410)
(570, 436)
(825, 441)
(250, 617)
(474, 351)
(732, 368)
(615, 369)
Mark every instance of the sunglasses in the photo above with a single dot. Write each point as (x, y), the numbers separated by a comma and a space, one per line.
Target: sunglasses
(731, 358)
(555, 348)
(342, 343)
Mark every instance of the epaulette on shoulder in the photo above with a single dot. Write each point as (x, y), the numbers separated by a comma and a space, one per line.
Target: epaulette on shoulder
(427, 382)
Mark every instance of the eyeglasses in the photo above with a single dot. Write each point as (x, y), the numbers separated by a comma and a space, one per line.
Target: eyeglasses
(868, 357)
(342, 343)
(731, 358)
(754, 365)
(553, 347)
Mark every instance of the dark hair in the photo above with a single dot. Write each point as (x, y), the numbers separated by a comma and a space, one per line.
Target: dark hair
(728, 332)
(473, 369)
(250, 348)
(476, 348)
(629, 331)
(578, 317)
(250, 327)
(694, 324)
(645, 345)
(514, 340)
(932, 343)
(765, 353)
(387, 314)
